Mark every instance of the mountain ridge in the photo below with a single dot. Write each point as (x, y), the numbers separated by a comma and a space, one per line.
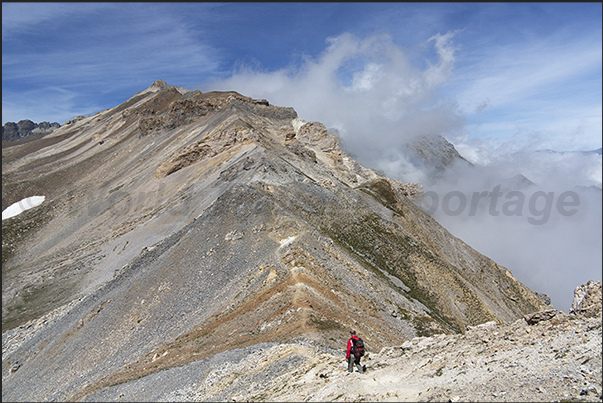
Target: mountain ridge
(25, 129)
(177, 219)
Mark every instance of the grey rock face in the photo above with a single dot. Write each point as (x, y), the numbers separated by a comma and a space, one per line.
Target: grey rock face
(10, 131)
(587, 299)
(544, 297)
(436, 152)
(540, 316)
(24, 128)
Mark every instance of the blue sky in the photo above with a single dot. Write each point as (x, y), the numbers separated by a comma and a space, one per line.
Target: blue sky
(515, 73)
(496, 79)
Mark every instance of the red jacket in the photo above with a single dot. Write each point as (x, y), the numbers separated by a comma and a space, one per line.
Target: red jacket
(350, 344)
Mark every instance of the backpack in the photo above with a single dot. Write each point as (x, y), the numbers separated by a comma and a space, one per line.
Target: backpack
(358, 347)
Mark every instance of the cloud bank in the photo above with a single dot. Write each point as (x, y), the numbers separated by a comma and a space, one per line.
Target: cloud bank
(546, 229)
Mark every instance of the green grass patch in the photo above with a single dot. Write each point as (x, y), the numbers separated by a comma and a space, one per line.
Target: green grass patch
(383, 192)
(379, 247)
(324, 324)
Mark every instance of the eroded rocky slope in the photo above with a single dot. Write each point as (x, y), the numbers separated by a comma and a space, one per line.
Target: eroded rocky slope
(549, 356)
(182, 226)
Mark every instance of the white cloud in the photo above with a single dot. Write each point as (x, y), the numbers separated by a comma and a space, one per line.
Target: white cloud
(554, 257)
(548, 251)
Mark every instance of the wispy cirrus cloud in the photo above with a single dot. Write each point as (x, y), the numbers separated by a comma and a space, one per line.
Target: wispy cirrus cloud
(60, 103)
(543, 94)
(108, 50)
(25, 18)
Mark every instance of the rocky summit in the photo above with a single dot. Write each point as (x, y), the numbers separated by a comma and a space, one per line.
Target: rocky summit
(212, 246)
(12, 131)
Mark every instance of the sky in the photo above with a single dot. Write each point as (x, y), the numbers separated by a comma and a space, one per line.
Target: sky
(498, 80)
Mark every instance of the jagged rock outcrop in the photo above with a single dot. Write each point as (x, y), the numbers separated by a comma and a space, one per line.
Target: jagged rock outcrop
(171, 109)
(207, 147)
(544, 297)
(25, 128)
(540, 316)
(587, 299)
(179, 227)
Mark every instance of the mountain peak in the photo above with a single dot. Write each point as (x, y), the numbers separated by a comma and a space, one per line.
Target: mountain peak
(160, 84)
(436, 152)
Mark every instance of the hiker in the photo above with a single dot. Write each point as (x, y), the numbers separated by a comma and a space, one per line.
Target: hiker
(354, 352)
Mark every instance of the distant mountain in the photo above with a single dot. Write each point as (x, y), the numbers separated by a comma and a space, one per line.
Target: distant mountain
(181, 227)
(25, 128)
(436, 152)
(591, 188)
(518, 182)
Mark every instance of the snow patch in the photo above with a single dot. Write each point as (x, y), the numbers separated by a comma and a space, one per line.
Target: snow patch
(20, 206)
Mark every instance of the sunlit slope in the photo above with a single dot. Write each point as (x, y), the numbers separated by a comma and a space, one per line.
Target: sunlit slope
(190, 224)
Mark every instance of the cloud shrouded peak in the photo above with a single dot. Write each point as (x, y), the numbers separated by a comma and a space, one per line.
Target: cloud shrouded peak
(365, 88)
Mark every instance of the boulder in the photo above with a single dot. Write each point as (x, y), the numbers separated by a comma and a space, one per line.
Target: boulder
(540, 316)
(587, 300)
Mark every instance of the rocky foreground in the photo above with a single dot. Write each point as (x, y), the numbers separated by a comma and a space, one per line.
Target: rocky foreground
(547, 356)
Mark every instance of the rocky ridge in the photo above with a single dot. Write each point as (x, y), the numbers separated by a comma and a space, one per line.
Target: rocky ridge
(554, 358)
(181, 227)
(25, 128)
